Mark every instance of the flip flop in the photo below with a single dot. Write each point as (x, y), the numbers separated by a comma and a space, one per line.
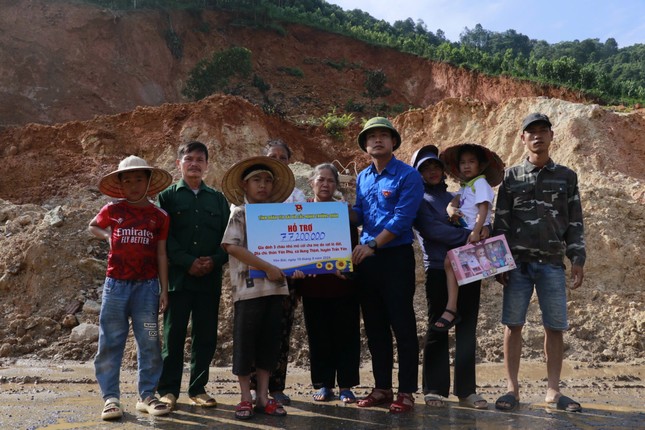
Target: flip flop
(281, 398)
(347, 396)
(472, 400)
(567, 404)
(169, 399)
(438, 400)
(204, 400)
(323, 395)
(511, 401)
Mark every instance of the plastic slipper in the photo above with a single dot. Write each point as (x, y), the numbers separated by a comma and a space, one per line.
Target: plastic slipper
(323, 395)
(272, 408)
(169, 399)
(204, 400)
(435, 400)
(567, 404)
(372, 400)
(112, 409)
(507, 402)
(244, 410)
(281, 398)
(404, 403)
(447, 325)
(153, 406)
(347, 396)
(474, 401)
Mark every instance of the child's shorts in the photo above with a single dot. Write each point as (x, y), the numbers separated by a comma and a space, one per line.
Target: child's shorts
(256, 334)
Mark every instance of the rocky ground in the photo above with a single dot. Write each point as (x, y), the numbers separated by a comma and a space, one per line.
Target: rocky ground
(52, 269)
(63, 395)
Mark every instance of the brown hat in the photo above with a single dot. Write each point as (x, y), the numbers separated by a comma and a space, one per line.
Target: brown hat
(233, 180)
(110, 184)
(493, 167)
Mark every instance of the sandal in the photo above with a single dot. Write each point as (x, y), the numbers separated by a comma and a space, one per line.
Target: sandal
(204, 400)
(567, 404)
(112, 409)
(323, 395)
(384, 396)
(346, 396)
(474, 401)
(447, 325)
(170, 399)
(404, 403)
(507, 402)
(281, 398)
(435, 400)
(244, 410)
(272, 408)
(153, 406)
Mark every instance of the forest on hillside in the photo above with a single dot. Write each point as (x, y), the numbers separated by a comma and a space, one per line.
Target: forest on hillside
(598, 69)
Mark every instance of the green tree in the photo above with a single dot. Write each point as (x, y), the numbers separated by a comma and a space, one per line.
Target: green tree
(375, 82)
(212, 75)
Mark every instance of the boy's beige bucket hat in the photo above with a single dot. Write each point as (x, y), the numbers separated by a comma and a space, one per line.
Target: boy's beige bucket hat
(110, 185)
(233, 180)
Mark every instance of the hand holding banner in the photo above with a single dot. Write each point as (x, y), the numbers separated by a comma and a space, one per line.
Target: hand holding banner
(312, 237)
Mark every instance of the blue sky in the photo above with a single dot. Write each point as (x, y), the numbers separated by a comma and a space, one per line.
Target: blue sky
(550, 20)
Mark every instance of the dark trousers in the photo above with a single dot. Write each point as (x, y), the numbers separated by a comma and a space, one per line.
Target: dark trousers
(202, 308)
(387, 285)
(436, 358)
(278, 379)
(333, 328)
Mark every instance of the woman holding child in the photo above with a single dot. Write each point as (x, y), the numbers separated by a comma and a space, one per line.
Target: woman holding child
(437, 235)
(332, 314)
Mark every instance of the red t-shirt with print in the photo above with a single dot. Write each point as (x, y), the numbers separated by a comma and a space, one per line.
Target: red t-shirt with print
(135, 233)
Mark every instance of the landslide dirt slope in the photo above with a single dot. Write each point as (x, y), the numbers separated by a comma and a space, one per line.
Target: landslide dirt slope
(51, 267)
(85, 61)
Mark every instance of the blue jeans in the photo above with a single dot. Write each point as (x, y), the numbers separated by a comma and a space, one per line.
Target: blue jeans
(138, 300)
(549, 283)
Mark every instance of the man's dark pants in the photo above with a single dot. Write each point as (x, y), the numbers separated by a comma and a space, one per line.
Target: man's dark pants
(386, 294)
(204, 307)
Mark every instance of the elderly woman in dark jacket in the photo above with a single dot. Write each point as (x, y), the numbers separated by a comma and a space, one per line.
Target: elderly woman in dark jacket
(437, 235)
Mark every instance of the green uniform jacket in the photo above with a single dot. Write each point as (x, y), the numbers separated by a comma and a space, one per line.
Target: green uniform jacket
(540, 213)
(197, 224)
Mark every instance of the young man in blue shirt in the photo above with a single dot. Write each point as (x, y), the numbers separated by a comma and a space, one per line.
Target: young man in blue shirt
(388, 195)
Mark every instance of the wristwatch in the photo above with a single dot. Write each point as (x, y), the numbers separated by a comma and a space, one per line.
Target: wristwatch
(372, 245)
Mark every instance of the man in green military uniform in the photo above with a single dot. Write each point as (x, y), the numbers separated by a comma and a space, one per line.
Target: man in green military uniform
(198, 218)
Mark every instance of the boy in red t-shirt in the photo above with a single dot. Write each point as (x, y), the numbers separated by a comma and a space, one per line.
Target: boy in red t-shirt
(136, 231)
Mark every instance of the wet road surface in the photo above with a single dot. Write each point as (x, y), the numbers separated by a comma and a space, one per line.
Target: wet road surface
(56, 396)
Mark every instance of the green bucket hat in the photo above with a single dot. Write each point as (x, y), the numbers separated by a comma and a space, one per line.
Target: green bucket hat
(379, 122)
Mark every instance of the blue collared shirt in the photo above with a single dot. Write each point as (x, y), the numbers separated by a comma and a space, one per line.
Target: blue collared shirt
(389, 200)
